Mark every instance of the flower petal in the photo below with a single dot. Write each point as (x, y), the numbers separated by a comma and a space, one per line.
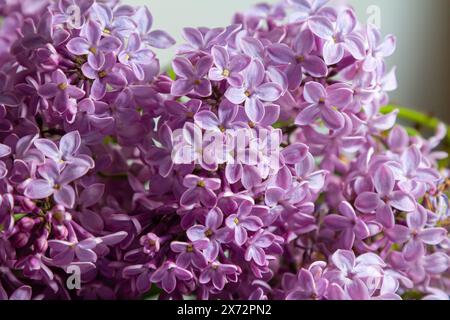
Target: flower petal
(384, 181)
(269, 92)
(78, 46)
(402, 201)
(367, 202)
(38, 189)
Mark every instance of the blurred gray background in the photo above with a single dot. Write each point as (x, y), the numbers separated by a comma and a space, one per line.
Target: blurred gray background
(422, 28)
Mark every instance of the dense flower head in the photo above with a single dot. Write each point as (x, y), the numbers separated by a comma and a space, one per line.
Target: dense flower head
(262, 167)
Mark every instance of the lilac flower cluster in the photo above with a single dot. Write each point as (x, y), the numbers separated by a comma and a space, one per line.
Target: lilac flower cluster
(315, 194)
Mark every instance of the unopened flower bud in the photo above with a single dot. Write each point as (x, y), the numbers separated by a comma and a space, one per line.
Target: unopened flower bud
(26, 224)
(20, 239)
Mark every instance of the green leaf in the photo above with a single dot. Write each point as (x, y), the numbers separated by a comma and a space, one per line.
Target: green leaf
(171, 73)
(19, 216)
(413, 295)
(153, 293)
(282, 124)
(412, 132)
(109, 140)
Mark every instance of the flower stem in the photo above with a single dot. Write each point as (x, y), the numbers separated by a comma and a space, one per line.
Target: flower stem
(416, 117)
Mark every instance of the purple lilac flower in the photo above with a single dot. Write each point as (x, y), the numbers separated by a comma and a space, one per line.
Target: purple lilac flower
(103, 76)
(199, 190)
(192, 78)
(310, 285)
(228, 68)
(21, 293)
(180, 112)
(61, 90)
(254, 92)
(162, 155)
(168, 274)
(211, 231)
(201, 39)
(414, 173)
(349, 224)
(299, 59)
(378, 48)
(339, 37)
(304, 171)
(310, 10)
(92, 44)
(68, 149)
(243, 221)
(63, 253)
(385, 198)
(350, 269)
(156, 38)
(416, 235)
(256, 247)
(227, 113)
(190, 253)
(324, 102)
(219, 274)
(56, 182)
(109, 22)
(135, 56)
